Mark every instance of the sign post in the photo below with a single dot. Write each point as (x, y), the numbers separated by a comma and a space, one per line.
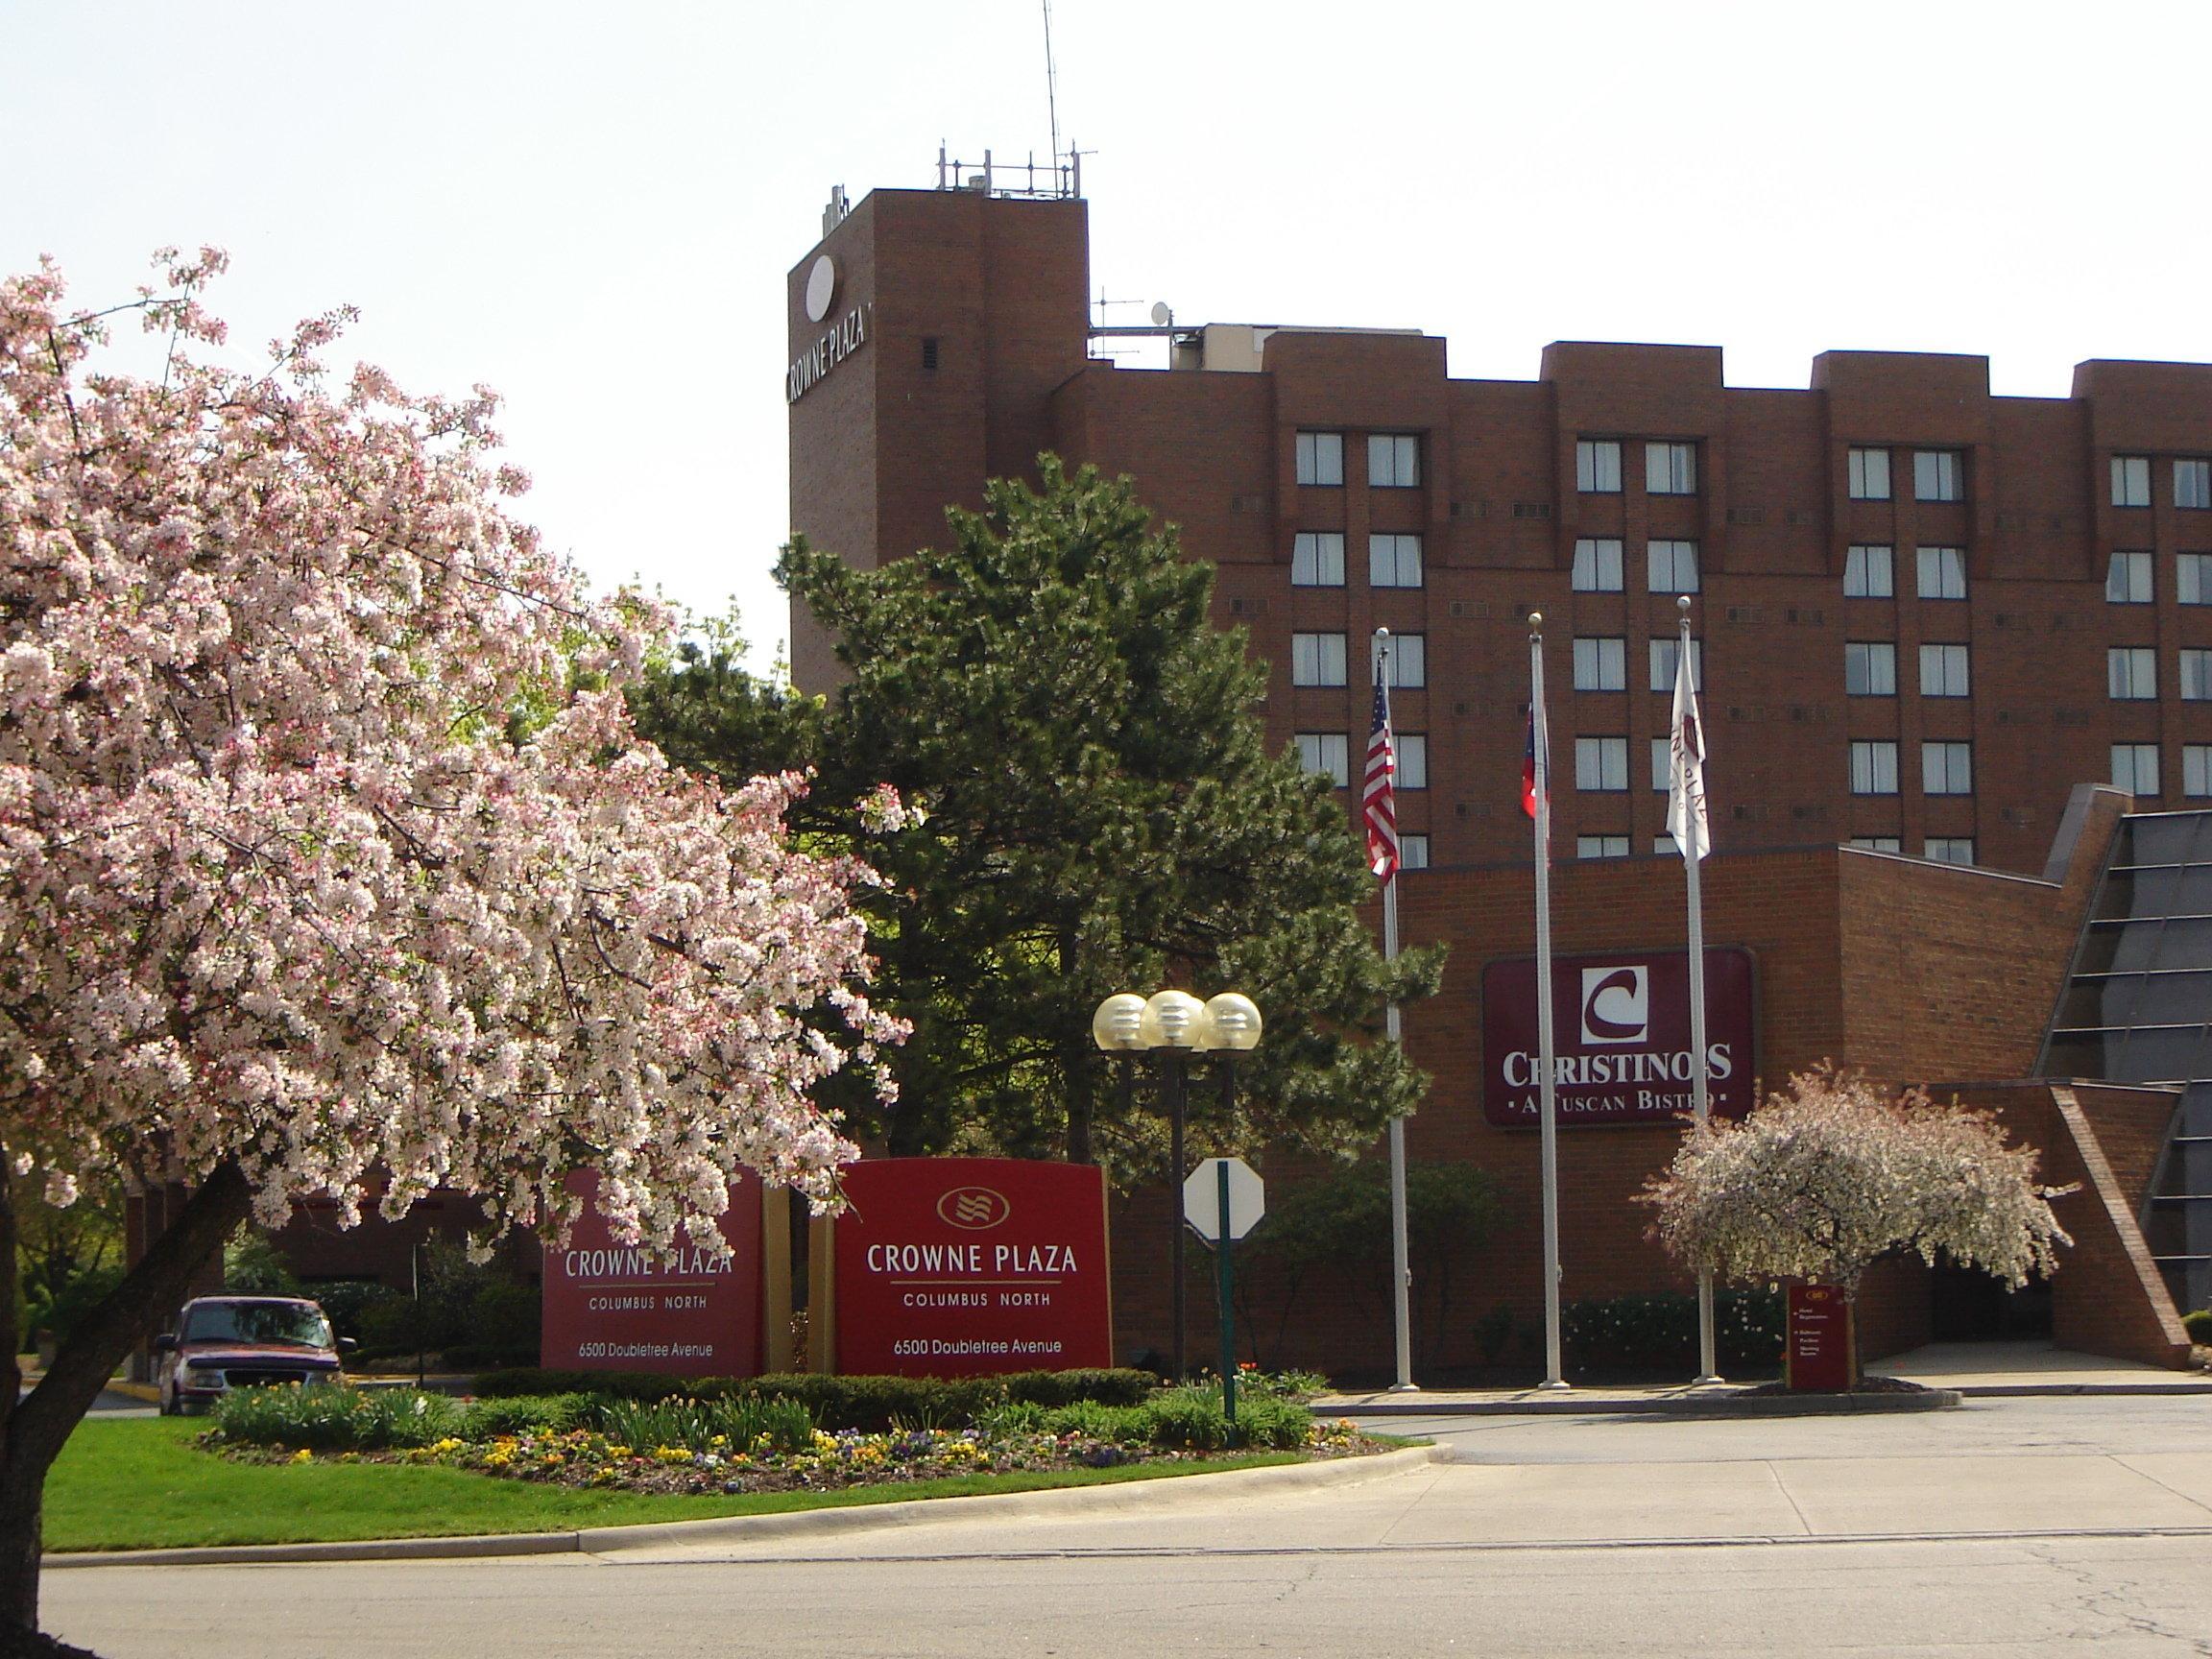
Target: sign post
(1221, 1200)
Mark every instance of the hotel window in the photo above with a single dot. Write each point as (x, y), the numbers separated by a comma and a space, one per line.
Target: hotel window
(1394, 561)
(1948, 849)
(1869, 668)
(1597, 466)
(1321, 458)
(2197, 676)
(1316, 658)
(1943, 671)
(2197, 769)
(1601, 664)
(1393, 460)
(2135, 767)
(1600, 845)
(2128, 580)
(1412, 851)
(1665, 651)
(1935, 475)
(2132, 673)
(2193, 578)
(1942, 572)
(1947, 768)
(1663, 764)
(2193, 483)
(1663, 843)
(1878, 842)
(1870, 572)
(1874, 767)
(1596, 565)
(1672, 566)
(1327, 755)
(1870, 474)
(1317, 559)
(1600, 765)
(1411, 753)
(2130, 480)
(1409, 663)
(1671, 469)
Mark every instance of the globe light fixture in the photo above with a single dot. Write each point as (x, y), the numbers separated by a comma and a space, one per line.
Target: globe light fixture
(1175, 1027)
(1119, 1025)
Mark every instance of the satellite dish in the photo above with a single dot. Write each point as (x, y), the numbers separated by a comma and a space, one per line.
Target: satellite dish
(1162, 314)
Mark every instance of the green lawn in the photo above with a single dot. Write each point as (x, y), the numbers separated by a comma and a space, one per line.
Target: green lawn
(138, 1483)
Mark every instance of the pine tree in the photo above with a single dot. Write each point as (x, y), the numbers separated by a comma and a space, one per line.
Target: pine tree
(1103, 816)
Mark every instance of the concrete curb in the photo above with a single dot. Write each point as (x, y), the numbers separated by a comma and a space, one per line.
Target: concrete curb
(1165, 1491)
(1580, 1404)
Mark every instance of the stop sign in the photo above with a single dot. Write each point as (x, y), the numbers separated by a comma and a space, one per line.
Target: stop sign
(1202, 1198)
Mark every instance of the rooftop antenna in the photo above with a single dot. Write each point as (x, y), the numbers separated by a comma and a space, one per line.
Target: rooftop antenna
(1051, 85)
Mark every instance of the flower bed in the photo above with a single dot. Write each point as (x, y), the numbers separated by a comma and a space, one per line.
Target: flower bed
(827, 1462)
(748, 1444)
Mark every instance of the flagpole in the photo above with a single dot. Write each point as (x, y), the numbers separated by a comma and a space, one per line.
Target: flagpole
(1400, 1266)
(1687, 838)
(1546, 1069)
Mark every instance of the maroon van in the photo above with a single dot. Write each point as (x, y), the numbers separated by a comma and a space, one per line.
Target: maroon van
(226, 1342)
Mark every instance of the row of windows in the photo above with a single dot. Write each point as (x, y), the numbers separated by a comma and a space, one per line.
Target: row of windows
(1317, 560)
(1937, 475)
(1671, 469)
(1602, 663)
(1318, 660)
(1393, 460)
(2131, 482)
(1870, 669)
(1946, 768)
(2129, 579)
(1394, 559)
(1669, 566)
(1870, 572)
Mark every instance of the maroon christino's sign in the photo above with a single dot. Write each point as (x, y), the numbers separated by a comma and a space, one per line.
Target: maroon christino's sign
(1620, 1038)
(611, 1307)
(966, 1267)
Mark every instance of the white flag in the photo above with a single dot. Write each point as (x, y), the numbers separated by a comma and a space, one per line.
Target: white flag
(1685, 781)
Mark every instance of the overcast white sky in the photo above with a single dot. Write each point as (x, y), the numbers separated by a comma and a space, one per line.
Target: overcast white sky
(592, 207)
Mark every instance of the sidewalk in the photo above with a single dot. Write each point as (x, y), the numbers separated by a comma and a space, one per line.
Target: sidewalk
(1951, 1372)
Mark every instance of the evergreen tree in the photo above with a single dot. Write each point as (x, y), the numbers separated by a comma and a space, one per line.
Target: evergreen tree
(1104, 815)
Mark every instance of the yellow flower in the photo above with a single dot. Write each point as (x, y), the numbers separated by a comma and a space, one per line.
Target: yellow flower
(302, 1456)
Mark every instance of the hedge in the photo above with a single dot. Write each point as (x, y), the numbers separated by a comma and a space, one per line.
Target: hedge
(870, 1403)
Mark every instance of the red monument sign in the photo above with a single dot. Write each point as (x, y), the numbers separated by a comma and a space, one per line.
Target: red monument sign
(964, 1266)
(611, 1306)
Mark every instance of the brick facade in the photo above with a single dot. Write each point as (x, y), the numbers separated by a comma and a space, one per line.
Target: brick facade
(1914, 971)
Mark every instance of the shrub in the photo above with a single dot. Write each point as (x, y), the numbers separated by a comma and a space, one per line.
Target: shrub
(1189, 1418)
(1659, 1333)
(254, 1267)
(71, 1302)
(870, 1404)
(1268, 1420)
(348, 1301)
(338, 1419)
(2199, 1325)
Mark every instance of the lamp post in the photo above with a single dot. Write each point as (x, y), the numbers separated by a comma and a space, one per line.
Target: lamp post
(1175, 1025)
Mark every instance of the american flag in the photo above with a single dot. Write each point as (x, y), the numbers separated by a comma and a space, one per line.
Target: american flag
(1377, 796)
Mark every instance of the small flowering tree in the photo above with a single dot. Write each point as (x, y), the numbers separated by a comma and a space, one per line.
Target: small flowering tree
(1829, 1173)
(327, 854)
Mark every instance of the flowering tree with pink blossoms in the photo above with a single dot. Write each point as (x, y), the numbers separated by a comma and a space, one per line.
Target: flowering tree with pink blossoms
(328, 854)
(1830, 1172)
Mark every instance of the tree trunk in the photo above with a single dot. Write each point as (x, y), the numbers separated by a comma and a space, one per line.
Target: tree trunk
(1079, 1057)
(33, 1430)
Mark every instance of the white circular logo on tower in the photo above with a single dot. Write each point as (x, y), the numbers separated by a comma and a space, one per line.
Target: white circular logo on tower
(821, 288)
